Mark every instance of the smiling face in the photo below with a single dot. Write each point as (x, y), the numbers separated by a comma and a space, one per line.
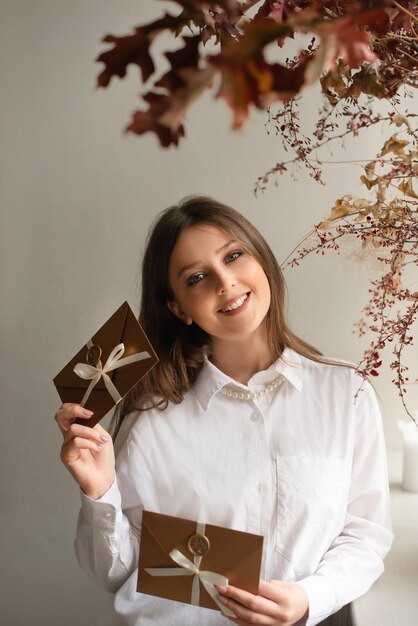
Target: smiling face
(218, 284)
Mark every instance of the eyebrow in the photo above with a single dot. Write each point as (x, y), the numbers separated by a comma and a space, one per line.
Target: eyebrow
(218, 251)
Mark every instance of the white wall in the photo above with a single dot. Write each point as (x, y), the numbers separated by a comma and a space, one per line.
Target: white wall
(77, 198)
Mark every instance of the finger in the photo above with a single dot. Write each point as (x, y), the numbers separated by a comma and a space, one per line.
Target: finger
(280, 592)
(246, 617)
(249, 607)
(71, 448)
(274, 590)
(246, 598)
(68, 413)
(78, 430)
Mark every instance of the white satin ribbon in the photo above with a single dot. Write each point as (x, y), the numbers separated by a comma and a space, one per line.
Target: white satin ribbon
(191, 568)
(114, 361)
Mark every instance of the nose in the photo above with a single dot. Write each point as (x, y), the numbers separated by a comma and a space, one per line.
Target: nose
(225, 280)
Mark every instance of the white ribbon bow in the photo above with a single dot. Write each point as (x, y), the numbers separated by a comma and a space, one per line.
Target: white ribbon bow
(189, 568)
(114, 361)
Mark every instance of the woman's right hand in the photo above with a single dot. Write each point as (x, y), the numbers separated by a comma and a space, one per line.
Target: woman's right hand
(87, 452)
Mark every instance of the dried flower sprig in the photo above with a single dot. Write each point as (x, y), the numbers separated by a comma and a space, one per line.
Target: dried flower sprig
(386, 224)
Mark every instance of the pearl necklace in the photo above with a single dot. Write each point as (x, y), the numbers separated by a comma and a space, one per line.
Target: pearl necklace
(254, 394)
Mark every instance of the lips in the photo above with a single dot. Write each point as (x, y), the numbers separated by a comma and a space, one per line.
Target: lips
(235, 303)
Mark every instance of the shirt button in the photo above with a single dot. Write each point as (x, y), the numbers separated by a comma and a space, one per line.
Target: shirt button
(254, 417)
(260, 487)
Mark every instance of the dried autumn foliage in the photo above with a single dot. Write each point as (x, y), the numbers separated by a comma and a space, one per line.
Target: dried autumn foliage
(359, 51)
(388, 224)
(360, 46)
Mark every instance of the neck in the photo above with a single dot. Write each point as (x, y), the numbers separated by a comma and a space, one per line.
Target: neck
(241, 359)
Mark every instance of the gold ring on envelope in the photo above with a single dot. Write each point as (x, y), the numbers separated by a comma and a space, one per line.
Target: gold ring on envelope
(94, 354)
(198, 544)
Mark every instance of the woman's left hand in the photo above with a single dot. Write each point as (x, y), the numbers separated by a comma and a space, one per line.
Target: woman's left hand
(279, 603)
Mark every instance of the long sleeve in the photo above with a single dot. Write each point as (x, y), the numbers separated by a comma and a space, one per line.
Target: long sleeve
(105, 544)
(108, 529)
(354, 560)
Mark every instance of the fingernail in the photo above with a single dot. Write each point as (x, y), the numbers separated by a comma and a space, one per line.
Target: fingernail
(221, 589)
(104, 438)
(99, 446)
(87, 412)
(223, 600)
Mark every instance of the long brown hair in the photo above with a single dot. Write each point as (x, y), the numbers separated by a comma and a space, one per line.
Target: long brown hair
(182, 348)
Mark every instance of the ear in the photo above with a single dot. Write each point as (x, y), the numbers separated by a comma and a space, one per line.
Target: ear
(178, 312)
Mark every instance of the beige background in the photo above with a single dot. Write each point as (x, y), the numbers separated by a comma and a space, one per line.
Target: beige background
(77, 198)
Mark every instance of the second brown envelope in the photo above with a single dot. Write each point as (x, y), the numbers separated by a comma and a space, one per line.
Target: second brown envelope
(231, 553)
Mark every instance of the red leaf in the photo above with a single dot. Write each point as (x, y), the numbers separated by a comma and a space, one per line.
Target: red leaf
(280, 10)
(181, 58)
(401, 23)
(376, 19)
(247, 78)
(272, 9)
(133, 49)
(183, 84)
(145, 121)
(343, 39)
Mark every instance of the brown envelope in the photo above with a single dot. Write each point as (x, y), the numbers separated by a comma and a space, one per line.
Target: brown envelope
(231, 553)
(121, 328)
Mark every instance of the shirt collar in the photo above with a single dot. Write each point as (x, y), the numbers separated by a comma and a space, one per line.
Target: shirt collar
(211, 379)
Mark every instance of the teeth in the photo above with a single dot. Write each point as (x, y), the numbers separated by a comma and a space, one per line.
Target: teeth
(236, 304)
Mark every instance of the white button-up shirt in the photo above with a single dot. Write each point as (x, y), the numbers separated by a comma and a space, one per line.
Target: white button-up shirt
(303, 465)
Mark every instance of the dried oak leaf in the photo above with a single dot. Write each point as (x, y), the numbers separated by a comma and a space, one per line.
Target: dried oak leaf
(272, 9)
(184, 83)
(394, 145)
(406, 187)
(400, 120)
(343, 39)
(202, 11)
(281, 10)
(333, 86)
(369, 183)
(247, 78)
(369, 81)
(369, 172)
(369, 169)
(342, 207)
(401, 23)
(145, 121)
(134, 49)
(212, 19)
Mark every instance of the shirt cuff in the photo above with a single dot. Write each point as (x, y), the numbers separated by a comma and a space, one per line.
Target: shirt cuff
(322, 598)
(105, 512)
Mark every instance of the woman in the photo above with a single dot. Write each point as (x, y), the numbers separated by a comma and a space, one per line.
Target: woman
(242, 424)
